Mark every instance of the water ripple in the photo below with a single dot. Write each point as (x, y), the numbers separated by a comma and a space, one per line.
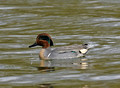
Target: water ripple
(4, 79)
(108, 77)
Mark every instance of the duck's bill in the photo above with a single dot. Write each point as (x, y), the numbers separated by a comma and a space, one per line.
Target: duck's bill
(33, 45)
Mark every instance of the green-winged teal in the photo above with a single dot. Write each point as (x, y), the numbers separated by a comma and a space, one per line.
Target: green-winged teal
(65, 52)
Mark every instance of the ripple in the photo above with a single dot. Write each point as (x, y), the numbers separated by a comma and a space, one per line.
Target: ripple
(111, 1)
(78, 76)
(90, 1)
(10, 29)
(3, 8)
(27, 15)
(112, 50)
(108, 77)
(22, 82)
(113, 63)
(24, 7)
(113, 24)
(5, 66)
(4, 79)
(15, 36)
(2, 23)
(11, 46)
(106, 19)
(19, 52)
(98, 7)
(61, 43)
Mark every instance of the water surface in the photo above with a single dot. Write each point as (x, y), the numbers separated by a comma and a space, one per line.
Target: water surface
(96, 22)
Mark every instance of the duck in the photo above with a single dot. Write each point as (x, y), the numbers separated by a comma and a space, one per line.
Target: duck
(64, 52)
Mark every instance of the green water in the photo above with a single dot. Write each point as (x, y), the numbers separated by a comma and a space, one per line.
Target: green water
(96, 22)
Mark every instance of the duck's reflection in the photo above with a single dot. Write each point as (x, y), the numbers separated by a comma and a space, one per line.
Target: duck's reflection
(78, 63)
(85, 86)
(45, 86)
(52, 86)
(82, 64)
(45, 66)
(49, 65)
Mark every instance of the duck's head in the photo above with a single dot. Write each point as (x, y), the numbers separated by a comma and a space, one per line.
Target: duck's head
(43, 40)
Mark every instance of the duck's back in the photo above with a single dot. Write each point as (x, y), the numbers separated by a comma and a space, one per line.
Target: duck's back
(63, 55)
(66, 52)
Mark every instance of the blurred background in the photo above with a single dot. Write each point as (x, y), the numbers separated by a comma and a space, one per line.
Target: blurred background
(96, 22)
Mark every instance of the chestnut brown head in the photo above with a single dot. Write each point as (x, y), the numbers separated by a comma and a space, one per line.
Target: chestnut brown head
(45, 36)
(43, 40)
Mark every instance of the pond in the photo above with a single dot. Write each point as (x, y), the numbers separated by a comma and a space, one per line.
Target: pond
(96, 22)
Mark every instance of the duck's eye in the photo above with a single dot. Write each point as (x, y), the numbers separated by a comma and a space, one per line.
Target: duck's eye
(80, 51)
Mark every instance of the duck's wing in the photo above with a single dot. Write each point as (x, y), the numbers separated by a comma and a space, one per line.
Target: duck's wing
(76, 48)
(72, 51)
(55, 54)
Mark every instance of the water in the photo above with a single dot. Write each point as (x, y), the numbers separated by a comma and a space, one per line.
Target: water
(96, 22)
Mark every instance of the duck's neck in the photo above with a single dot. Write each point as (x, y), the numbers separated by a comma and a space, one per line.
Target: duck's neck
(41, 54)
(44, 53)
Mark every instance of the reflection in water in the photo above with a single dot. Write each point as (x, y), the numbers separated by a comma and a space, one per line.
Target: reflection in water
(49, 65)
(42, 63)
(82, 65)
(45, 68)
(45, 86)
(85, 86)
(77, 63)
(52, 86)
